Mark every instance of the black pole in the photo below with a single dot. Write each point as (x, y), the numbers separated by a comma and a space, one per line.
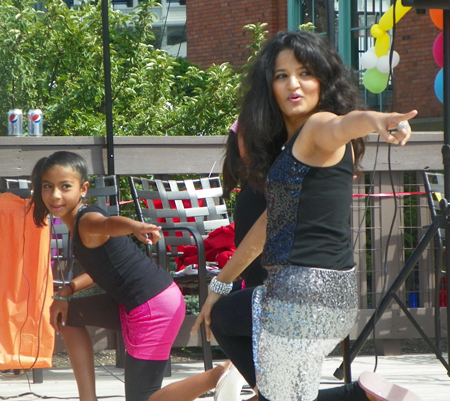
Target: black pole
(331, 23)
(108, 97)
(446, 153)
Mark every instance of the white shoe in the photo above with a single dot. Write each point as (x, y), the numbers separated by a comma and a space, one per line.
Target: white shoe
(383, 390)
(229, 385)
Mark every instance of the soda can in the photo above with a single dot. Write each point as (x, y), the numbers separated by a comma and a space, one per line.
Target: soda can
(35, 123)
(15, 122)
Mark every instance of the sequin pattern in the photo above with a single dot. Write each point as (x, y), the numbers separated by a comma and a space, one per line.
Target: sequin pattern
(299, 316)
(283, 190)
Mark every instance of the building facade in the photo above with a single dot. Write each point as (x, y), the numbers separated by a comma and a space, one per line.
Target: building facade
(215, 35)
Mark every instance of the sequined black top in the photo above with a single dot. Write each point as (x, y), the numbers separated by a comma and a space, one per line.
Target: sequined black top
(309, 213)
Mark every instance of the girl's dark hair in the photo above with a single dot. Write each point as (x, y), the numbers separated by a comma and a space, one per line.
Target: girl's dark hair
(260, 120)
(65, 159)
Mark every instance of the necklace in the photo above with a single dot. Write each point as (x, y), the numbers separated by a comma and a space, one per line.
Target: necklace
(79, 210)
(70, 240)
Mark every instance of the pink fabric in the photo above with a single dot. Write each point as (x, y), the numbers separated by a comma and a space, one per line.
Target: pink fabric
(234, 127)
(150, 329)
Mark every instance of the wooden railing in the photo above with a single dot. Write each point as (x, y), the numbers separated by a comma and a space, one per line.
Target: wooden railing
(385, 229)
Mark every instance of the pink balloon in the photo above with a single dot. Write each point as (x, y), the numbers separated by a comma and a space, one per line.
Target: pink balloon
(438, 50)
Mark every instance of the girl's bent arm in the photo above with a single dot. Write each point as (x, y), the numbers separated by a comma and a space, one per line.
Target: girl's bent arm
(95, 229)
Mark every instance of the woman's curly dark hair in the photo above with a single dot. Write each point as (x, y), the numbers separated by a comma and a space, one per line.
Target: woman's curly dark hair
(260, 120)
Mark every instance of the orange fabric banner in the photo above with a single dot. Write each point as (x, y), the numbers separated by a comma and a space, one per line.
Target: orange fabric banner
(26, 287)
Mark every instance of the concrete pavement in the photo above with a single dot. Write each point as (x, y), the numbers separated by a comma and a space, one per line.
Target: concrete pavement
(422, 373)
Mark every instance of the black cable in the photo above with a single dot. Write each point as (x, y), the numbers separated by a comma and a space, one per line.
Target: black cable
(164, 26)
(111, 373)
(385, 272)
(369, 190)
(182, 36)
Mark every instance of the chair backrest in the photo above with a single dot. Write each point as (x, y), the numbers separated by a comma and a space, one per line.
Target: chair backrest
(105, 192)
(62, 261)
(17, 186)
(434, 187)
(194, 203)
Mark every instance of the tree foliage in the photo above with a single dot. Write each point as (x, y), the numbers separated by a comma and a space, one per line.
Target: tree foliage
(53, 60)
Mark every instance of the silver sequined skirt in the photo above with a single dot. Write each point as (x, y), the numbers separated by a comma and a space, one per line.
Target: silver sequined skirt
(299, 315)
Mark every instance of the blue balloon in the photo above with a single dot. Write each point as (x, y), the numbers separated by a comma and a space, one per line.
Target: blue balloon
(439, 85)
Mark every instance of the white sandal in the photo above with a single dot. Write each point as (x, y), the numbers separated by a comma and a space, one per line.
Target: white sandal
(229, 385)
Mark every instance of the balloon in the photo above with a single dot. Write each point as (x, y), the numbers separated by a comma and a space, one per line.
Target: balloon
(437, 16)
(383, 64)
(368, 60)
(438, 50)
(387, 20)
(374, 81)
(382, 45)
(395, 59)
(376, 31)
(439, 85)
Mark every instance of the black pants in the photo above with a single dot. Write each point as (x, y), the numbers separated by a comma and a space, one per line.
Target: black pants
(142, 377)
(231, 324)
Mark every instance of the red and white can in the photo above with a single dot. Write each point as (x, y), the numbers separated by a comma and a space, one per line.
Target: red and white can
(35, 123)
(15, 122)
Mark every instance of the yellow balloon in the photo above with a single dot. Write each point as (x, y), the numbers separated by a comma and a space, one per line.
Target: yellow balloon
(387, 20)
(382, 45)
(376, 31)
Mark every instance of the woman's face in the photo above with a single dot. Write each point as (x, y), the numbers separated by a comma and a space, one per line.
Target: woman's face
(296, 91)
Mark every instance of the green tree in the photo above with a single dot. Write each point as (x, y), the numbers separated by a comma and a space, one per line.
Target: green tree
(53, 60)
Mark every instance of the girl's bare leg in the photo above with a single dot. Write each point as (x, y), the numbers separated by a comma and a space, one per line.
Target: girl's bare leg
(81, 354)
(191, 388)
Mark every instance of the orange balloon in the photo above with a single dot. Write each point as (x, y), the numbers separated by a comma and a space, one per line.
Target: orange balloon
(437, 16)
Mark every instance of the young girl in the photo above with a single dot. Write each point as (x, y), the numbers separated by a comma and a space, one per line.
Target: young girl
(299, 88)
(140, 297)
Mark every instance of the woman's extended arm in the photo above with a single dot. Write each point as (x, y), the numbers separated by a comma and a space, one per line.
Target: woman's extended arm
(247, 251)
(330, 132)
(324, 136)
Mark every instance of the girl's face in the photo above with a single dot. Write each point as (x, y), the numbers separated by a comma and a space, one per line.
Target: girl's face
(62, 191)
(296, 91)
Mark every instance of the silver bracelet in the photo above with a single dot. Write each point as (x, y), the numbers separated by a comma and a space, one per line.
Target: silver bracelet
(220, 288)
(58, 298)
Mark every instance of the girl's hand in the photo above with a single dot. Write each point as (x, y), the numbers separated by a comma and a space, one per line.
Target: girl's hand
(205, 314)
(147, 233)
(58, 314)
(385, 122)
